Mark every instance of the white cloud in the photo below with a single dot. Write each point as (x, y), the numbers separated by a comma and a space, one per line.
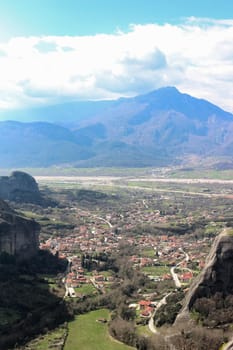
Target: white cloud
(195, 56)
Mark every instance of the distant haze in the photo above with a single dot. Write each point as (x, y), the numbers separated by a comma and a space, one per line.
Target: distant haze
(155, 129)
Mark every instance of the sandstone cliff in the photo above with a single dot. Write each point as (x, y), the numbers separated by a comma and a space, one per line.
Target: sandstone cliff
(217, 276)
(20, 187)
(18, 236)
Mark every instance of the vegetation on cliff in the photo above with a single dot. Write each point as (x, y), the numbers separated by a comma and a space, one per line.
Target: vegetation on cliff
(31, 297)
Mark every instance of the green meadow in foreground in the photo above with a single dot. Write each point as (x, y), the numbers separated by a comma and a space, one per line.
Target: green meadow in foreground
(86, 333)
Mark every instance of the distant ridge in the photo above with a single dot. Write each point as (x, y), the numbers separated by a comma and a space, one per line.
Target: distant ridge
(155, 129)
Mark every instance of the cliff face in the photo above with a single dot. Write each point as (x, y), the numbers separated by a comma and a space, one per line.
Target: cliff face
(18, 236)
(217, 276)
(20, 187)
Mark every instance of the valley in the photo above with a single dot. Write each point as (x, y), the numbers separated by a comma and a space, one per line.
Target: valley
(131, 243)
(161, 128)
(116, 175)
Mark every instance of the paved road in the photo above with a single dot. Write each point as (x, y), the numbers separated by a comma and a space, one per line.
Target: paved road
(174, 275)
(71, 292)
(182, 181)
(187, 258)
(107, 222)
(151, 320)
(67, 292)
(101, 290)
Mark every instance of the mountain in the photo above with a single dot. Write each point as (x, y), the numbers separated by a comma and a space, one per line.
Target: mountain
(157, 128)
(69, 112)
(38, 144)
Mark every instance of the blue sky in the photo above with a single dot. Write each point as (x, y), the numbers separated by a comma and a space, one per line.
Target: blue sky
(87, 17)
(52, 51)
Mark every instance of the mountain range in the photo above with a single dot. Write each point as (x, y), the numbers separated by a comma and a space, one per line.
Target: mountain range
(158, 128)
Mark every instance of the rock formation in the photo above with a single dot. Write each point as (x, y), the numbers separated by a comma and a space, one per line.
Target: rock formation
(20, 187)
(18, 235)
(217, 276)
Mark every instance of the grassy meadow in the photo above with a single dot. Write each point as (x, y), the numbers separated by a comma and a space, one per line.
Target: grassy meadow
(86, 333)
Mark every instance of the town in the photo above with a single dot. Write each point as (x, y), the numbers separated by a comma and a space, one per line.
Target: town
(132, 251)
(154, 251)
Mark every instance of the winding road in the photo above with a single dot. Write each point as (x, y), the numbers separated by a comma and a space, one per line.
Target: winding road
(102, 219)
(151, 324)
(174, 274)
(163, 301)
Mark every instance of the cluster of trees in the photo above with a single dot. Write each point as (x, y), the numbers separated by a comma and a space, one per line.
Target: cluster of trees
(125, 332)
(198, 338)
(167, 313)
(98, 261)
(214, 311)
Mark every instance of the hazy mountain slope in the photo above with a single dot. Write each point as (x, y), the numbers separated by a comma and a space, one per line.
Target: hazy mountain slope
(152, 129)
(169, 120)
(38, 144)
(69, 113)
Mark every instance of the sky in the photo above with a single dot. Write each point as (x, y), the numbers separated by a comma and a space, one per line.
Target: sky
(53, 51)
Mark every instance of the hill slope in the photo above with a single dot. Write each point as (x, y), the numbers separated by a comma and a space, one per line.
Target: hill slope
(158, 128)
(38, 144)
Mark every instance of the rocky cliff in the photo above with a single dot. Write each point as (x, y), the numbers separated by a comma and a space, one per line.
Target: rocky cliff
(18, 236)
(20, 187)
(217, 276)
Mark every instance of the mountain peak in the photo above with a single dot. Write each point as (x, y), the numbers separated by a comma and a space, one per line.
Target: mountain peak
(167, 89)
(171, 99)
(152, 129)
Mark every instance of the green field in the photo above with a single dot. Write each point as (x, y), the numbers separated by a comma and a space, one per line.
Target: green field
(156, 270)
(201, 174)
(192, 173)
(144, 330)
(149, 253)
(86, 289)
(30, 214)
(85, 333)
(64, 171)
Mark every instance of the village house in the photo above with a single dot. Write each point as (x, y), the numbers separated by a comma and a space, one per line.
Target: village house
(186, 276)
(146, 308)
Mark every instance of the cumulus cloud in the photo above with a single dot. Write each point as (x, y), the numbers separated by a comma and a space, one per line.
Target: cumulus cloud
(152, 60)
(45, 47)
(196, 56)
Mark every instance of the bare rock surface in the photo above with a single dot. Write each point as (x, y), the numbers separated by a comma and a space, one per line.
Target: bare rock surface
(18, 235)
(20, 187)
(217, 275)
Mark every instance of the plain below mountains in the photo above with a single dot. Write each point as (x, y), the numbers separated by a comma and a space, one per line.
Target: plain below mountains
(155, 129)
